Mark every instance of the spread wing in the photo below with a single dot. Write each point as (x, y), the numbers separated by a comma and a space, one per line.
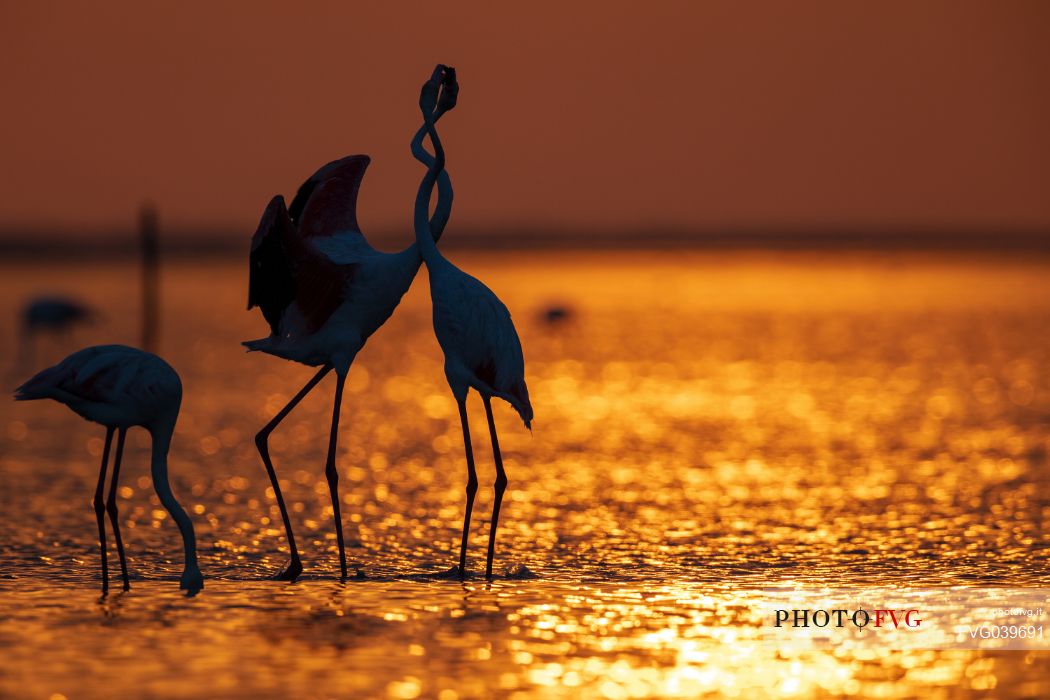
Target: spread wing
(285, 266)
(326, 204)
(320, 286)
(271, 281)
(302, 195)
(285, 269)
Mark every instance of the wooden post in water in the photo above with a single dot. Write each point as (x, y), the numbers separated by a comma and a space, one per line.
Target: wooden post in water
(150, 273)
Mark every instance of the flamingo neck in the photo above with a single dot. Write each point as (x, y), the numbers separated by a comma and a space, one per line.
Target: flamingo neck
(424, 236)
(408, 262)
(159, 471)
(443, 209)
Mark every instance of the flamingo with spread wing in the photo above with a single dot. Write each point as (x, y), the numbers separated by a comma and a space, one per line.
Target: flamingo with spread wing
(324, 290)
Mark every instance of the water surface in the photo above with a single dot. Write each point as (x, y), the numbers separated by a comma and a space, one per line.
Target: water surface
(707, 425)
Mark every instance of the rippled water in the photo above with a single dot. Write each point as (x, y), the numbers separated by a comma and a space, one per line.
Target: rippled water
(707, 425)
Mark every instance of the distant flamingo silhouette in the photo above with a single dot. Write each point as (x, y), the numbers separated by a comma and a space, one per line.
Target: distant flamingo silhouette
(121, 387)
(53, 314)
(324, 291)
(476, 334)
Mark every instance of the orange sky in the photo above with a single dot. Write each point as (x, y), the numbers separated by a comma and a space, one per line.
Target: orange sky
(602, 115)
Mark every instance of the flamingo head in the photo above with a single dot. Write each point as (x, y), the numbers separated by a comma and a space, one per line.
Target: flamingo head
(449, 91)
(191, 581)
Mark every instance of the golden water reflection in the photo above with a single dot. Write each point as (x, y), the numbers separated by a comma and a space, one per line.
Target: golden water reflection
(415, 638)
(707, 426)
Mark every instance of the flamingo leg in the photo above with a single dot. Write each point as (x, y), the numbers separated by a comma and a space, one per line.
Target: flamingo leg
(333, 474)
(499, 487)
(295, 566)
(100, 510)
(472, 486)
(111, 507)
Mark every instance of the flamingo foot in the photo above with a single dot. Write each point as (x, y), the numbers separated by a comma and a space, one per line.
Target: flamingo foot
(291, 572)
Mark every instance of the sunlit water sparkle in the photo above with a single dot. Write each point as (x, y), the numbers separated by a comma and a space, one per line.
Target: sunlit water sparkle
(706, 425)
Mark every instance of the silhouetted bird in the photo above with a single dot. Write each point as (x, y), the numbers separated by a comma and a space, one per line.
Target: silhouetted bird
(47, 314)
(53, 313)
(121, 387)
(324, 291)
(476, 334)
(556, 313)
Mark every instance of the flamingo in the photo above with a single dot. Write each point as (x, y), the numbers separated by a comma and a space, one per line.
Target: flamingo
(52, 314)
(476, 335)
(324, 291)
(121, 387)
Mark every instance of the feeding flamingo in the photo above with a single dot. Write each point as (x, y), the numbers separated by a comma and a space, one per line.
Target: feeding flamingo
(477, 337)
(324, 290)
(121, 387)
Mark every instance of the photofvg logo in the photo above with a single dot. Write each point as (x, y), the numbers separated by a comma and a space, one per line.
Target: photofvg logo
(956, 617)
(841, 617)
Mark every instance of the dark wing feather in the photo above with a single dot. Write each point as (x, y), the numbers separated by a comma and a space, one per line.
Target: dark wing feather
(93, 374)
(284, 267)
(320, 287)
(271, 280)
(302, 196)
(329, 206)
